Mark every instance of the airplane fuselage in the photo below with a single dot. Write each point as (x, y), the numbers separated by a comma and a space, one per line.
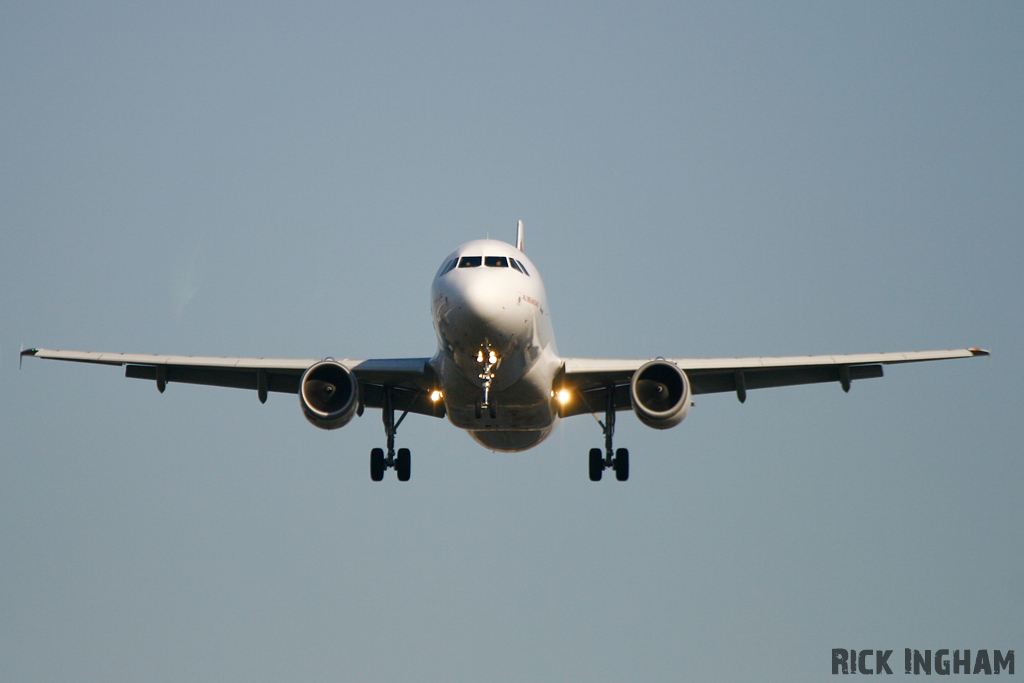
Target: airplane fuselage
(496, 357)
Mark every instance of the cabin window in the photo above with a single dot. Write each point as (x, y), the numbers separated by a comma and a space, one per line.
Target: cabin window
(496, 262)
(471, 261)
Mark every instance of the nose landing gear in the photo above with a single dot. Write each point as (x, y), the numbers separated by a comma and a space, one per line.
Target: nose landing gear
(617, 460)
(489, 360)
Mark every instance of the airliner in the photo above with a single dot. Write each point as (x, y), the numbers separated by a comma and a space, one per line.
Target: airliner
(497, 373)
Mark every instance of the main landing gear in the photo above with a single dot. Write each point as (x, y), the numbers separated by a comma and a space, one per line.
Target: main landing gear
(617, 460)
(400, 461)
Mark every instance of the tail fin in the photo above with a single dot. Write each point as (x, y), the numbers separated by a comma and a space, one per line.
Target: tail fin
(519, 237)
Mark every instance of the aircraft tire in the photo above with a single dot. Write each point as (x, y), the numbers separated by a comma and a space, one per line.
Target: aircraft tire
(622, 464)
(377, 464)
(596, 464)
(403, 464)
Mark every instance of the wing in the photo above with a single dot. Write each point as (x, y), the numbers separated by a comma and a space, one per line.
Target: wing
(411, 379)
(592, 378)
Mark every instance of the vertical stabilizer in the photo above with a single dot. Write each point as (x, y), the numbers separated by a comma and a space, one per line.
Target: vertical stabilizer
(519, 237)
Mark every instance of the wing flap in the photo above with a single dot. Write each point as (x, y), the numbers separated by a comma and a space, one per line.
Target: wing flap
(286, 382)
(716, 381)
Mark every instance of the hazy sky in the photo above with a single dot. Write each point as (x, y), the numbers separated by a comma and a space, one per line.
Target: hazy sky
(284, 180)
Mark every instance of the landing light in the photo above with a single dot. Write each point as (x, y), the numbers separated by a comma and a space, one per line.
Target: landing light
(563, 396)
(492, 358)
(435, 395)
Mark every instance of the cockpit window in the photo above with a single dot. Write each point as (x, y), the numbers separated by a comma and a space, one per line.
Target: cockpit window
(496, 262)
(512, 262)
(448, 266)
(523, 268)
(470, 261)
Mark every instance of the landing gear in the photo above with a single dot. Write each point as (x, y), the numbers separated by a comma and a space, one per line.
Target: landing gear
(377, 464)
(492, 409)
(621, 464)
(488, 359)
(403, 464)
(596, 464)
(400, 462)
(614, 459)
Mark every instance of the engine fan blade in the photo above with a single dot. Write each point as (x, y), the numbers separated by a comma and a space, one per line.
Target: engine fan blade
(654, 395)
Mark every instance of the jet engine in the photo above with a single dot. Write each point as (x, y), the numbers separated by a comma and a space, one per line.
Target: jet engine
(660, 393)
(329, 394)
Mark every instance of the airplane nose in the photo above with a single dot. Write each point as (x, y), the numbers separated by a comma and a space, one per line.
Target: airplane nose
(483, 303)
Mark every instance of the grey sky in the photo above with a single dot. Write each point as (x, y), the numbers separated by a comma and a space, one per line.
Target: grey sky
(284, 180)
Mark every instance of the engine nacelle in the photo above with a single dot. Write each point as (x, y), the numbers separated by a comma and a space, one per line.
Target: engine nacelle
(660, 393)
(329, 394)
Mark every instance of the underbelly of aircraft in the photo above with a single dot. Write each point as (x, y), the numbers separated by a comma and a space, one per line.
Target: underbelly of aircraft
(510, 440)
(501, 416)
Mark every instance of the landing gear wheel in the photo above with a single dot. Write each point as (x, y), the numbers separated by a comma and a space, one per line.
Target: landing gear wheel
(596, 464)
(377, 464)
(403, 464)
(622, 464)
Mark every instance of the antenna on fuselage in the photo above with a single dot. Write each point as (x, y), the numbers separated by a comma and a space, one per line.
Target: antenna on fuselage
(519, 237)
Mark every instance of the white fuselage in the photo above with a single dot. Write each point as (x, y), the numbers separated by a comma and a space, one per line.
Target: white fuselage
(496, 358)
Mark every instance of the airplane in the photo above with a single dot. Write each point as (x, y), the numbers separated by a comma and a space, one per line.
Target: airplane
(497, 373)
